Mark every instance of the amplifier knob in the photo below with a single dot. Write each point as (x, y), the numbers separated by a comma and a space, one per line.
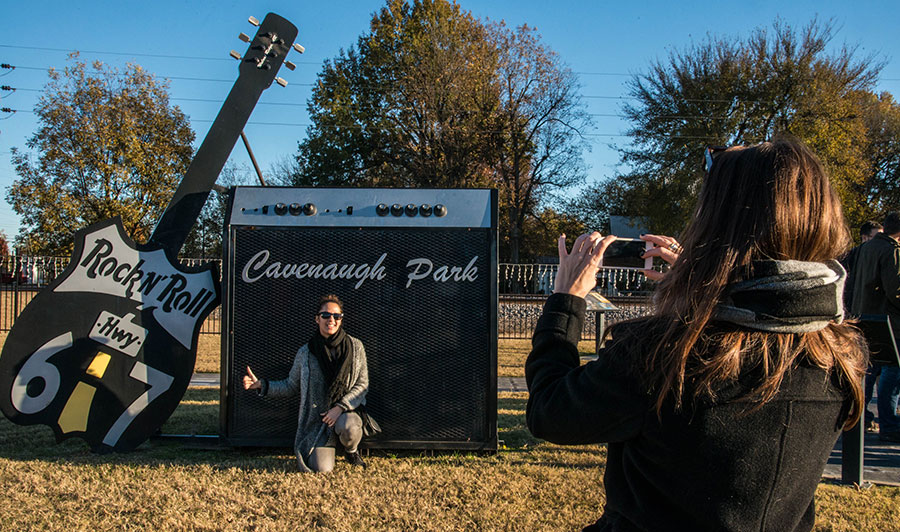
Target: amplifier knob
(411, 210)
(309, 209)
(280, 209)
(425, 209)
(382, 209)
(295, 209)
(440, 210)
(397, 209)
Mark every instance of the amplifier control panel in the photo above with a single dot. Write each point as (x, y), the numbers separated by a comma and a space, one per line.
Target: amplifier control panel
(361, 207)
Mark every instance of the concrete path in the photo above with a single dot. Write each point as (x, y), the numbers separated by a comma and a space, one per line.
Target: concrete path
(881, 460)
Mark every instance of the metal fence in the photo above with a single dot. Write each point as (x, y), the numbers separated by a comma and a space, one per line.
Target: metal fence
(523, 290)
(518, 315)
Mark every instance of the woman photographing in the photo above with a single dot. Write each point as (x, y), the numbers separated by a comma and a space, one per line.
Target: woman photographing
(722, 408)
(331, 377)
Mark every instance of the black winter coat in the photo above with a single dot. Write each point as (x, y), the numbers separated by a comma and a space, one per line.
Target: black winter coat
(721, 466)
(876, 287)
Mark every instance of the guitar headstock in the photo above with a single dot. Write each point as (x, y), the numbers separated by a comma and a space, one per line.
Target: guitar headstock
(268, 49)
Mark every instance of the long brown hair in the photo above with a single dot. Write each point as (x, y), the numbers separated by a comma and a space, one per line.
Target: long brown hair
(771, 201)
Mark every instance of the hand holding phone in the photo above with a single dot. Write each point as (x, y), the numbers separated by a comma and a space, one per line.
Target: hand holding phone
(577, 273)
(664, 247)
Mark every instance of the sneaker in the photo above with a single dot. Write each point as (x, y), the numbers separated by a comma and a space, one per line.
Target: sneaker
(871, 426)
(893, 437)
(356, 459)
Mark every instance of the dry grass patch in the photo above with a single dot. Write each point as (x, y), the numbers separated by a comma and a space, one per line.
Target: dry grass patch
(209, 354)
(511, 355)
(528, 485)
(164, 485)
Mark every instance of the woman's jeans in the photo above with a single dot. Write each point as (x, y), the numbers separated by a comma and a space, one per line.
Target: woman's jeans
(348, 429)
(888, 393)
(871, 378)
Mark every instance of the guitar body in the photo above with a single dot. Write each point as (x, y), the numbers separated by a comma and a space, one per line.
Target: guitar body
(106, 352)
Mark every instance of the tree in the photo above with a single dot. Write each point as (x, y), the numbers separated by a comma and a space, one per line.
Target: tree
(541, 233)
(108, 144)
(408, 106)
(729, 92)
(881, 188)
(537, 140)
(432, 97)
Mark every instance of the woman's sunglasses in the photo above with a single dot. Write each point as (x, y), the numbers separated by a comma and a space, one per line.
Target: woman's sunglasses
(336, 315)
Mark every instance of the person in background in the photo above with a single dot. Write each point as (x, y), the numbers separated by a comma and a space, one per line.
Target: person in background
(867, 231)
(720, 410)
(331, 377)
(876, 290)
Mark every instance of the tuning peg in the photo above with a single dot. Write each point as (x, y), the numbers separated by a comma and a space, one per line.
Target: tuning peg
(253, 20)
(281, 81)
(289, 65)
(244, 37)
(299, 48)
(235, 55)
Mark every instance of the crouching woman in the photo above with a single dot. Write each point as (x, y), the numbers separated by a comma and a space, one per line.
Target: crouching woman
(331, 377)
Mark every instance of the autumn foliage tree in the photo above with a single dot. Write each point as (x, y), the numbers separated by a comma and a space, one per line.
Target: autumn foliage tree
(409, 105)
(725, 91)
(880, 189)
(108, 144)
(432, 97)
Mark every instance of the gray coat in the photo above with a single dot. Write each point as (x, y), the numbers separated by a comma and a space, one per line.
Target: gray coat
(307, 380)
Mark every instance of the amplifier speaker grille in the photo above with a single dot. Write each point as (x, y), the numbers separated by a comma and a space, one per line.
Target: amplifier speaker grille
(431, 347)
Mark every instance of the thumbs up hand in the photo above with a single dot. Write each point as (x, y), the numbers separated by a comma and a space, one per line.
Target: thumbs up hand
(250, 380)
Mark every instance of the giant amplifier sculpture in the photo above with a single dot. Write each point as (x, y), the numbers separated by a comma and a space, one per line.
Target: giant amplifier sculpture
(417, 271)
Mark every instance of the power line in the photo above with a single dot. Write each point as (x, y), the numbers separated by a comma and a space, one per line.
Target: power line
(135, 54)
(205, 58)
(374, 87)
(291, 104)
(356, 126)
(294, 104)
(180, 78)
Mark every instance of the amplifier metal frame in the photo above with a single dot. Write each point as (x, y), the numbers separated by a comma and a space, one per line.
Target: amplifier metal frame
(363, 218)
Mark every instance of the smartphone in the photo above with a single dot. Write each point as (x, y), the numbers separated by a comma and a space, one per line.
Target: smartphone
(625, 254)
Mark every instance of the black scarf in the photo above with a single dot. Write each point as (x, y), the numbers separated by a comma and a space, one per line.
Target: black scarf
(333, 354)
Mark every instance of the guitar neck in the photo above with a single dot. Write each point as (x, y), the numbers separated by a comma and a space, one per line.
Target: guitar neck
(183, 210)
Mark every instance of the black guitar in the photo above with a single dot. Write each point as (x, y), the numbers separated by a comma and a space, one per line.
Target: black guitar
(106, 352)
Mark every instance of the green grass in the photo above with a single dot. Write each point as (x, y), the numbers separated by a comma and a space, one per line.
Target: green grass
(528, 485)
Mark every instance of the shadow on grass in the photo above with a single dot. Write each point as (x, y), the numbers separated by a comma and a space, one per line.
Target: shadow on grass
(198, 415)
(512, 403)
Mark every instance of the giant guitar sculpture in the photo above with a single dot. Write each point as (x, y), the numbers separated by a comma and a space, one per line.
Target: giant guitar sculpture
(106, 351)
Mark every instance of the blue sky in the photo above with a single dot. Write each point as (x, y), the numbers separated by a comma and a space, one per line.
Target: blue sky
(604, 42)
